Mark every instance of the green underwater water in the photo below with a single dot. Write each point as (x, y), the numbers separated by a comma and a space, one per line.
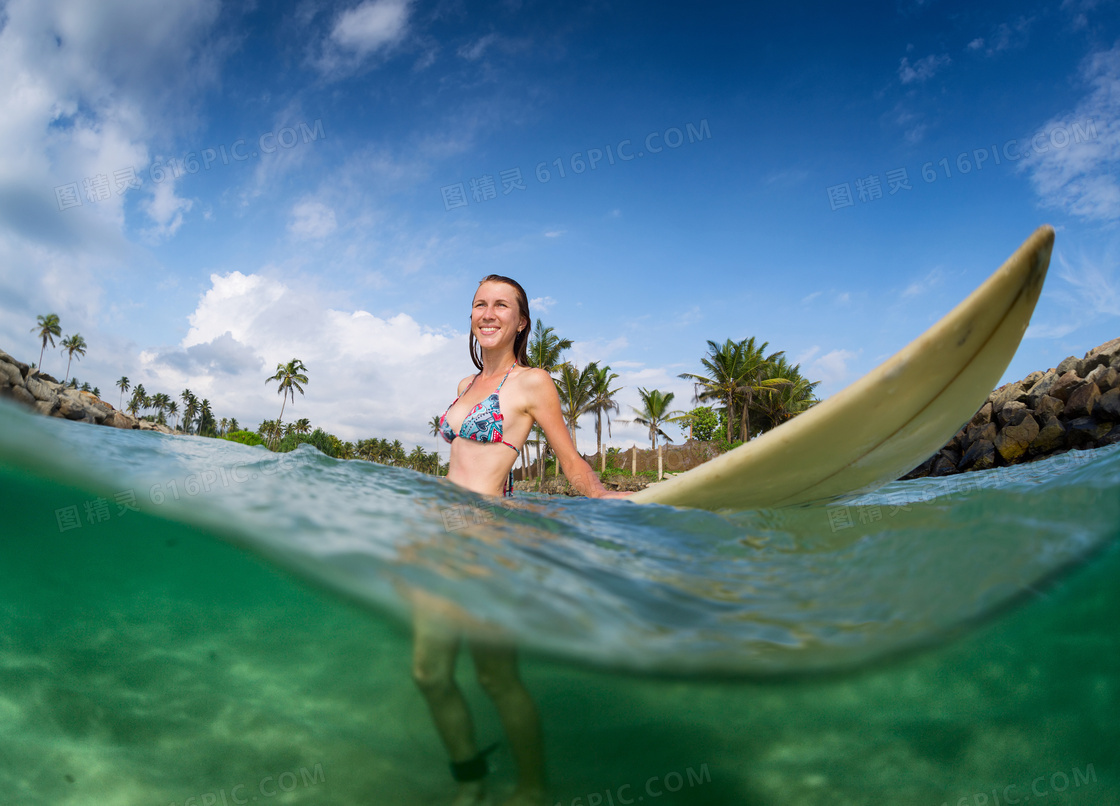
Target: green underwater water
(208, 652)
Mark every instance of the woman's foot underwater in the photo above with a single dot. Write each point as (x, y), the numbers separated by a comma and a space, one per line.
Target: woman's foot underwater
(471, 794)
(526, 797)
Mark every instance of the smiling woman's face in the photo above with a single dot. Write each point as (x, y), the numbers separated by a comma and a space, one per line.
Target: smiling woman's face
(495, 315)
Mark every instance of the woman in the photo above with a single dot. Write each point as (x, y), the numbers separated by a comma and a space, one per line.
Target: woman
(485, 430)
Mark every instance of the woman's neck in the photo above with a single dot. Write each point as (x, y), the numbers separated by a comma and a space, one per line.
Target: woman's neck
(495, 362)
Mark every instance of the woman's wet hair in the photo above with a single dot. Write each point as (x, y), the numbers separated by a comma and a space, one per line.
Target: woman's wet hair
(521, 341)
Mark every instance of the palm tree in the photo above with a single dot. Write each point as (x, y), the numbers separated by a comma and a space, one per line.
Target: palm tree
(123, 384)
(655, 412)
(738, 372)
(190, 408)
(302, 426)
(173, 410)
(757, 378)
(289, 376)
(723, 363)
(160, 401)
(139, 400)
(433, 424)
(545, 352)
(790, 399)
(602, 402)
(574, 388)
(546, 348)
(48, 327)
(233, 425)
(72, 345)
(205, 419)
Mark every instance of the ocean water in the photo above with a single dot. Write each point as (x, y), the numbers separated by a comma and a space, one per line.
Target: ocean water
(191, 622)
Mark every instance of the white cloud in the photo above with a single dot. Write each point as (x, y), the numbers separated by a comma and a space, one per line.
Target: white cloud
(554, 233)
(86, 89)
(923, 69)
(1010, 36)
(165, 209)
(474, 50)
(363, 31)
(368, 375)
(312, 219)
(923, 285)
(1079, 172)
(541, 305)
(831, 369)
(1088, 293)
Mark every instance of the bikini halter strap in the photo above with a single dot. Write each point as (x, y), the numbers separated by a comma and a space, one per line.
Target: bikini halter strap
(508, 371)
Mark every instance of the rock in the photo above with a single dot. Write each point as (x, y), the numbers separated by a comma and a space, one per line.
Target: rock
(10, 375)
(49, 378)
(18, 394)
(1012, 413)
(47, 407)
(40, 389)
(1071, 364)
(981, 455)
(1109, 379)
(1108, 406)
(1014, 440)
(1085, 431)
(1097, 375)
(1081, 401)
(1041, 387)
(118, 419)
(70, 408)
(1064, 385)
(1032, 379)
(984, 415)
(1110, 349)
(942, 466)
(22, 367)
(976, 433)
(922, 470)
(1051, 437)
(1047, 406)
(1007, 393)
(1111, 438)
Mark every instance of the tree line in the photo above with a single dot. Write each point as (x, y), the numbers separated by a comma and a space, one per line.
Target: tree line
(742, 392)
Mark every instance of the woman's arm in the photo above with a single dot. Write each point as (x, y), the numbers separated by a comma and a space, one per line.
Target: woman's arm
(545, 408)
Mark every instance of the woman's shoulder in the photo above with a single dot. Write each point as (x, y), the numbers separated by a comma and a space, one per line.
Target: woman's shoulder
(532, 376)
(534, 382)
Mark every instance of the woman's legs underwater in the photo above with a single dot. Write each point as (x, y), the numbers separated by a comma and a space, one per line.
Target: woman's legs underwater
(434, 649)
(496, 667)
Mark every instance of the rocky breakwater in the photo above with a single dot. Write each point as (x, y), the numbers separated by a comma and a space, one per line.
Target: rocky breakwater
(47, 396)
(1074, 406)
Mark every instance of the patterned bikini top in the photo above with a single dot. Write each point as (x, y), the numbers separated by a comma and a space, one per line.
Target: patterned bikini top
(483, 423)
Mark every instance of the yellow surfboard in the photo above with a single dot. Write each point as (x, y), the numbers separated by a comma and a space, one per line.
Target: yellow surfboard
(888, 421)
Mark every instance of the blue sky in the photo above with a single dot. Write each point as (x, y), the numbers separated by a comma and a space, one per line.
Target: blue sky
(330, 180)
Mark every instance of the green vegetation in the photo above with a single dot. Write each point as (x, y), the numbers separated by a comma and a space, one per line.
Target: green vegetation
(244, 437)
(289, 376)
(758, 391)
